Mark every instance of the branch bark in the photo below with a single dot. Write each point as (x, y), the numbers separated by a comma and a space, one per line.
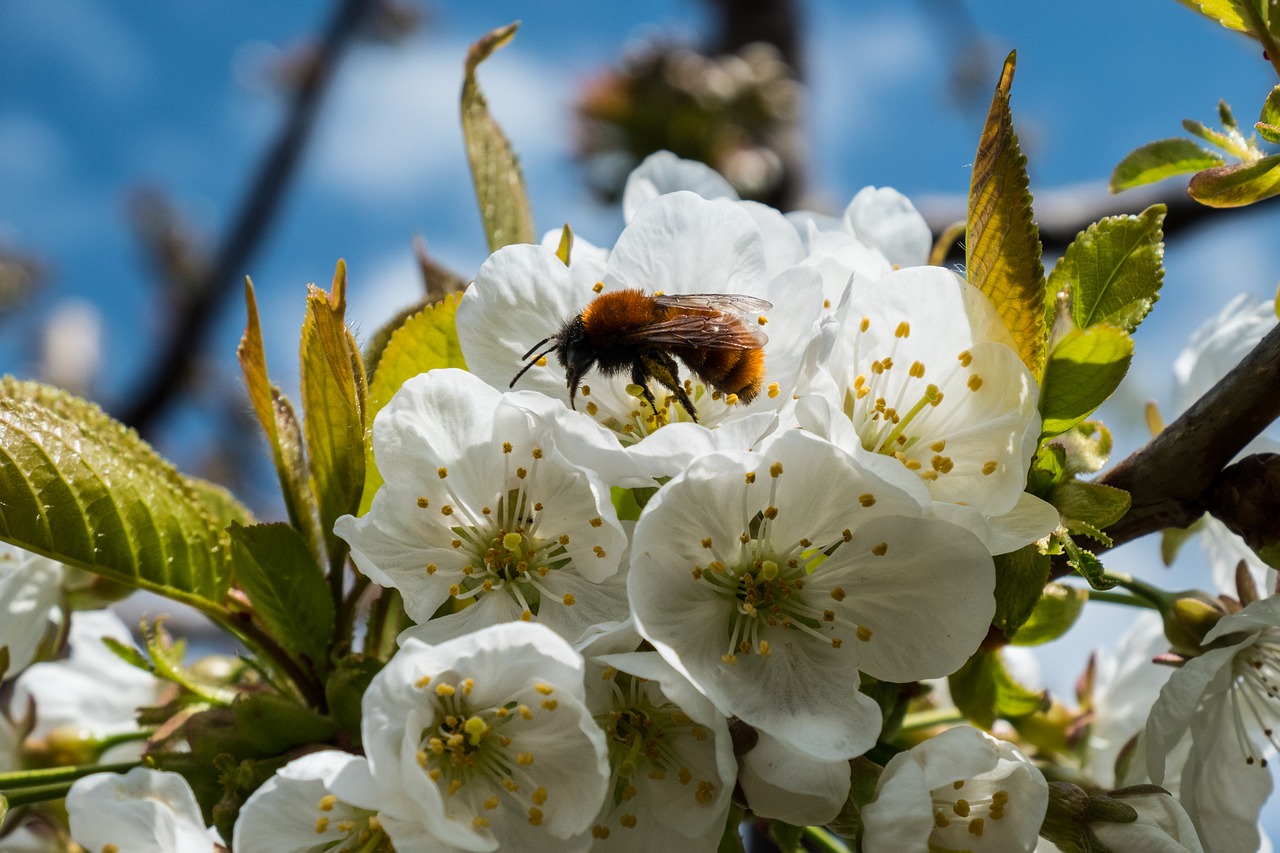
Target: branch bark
(187, 334)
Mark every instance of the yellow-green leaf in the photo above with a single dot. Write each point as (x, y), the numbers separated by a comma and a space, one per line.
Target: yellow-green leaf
(279, 575)
(1268, 125)
(1056, 611)
(1165, 158)
(334, 398)
(984, 690)
(1020, 579)
(1002, 252)
(1086, 366)
(280, 424)
(500, 191)
(1113, 270)
(426, 341)
(1229, 13)
(80, 487)
(1239, 184)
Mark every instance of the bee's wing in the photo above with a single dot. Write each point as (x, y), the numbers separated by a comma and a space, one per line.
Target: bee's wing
(730, 303)
(718, 330)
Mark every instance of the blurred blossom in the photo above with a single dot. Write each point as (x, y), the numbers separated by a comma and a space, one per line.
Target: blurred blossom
(71, 349)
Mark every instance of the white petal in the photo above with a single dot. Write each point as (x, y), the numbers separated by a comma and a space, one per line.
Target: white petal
(142, 811)
(782, 784)
(664, 172)
(886, 220)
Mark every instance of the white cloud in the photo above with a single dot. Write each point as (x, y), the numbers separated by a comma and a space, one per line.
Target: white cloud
(392, 128)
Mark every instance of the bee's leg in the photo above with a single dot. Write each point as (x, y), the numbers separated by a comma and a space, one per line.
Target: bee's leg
(663, 367)
(640, 377)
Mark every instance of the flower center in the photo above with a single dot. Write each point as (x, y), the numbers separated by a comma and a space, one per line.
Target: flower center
(1257, 701)
(962, 813)
(646, 734)
(472, 753)
(343, 828)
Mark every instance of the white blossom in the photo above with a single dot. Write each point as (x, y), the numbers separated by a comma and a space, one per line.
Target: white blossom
(484, 742)
(481, 511)
(960, 790)
(1162, 826)
(142, 811)
(770, 593)
(1227, 701)
(30, 586)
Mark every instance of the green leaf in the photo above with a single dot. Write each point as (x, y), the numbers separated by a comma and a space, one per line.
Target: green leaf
(1085, 562)
(1002, 252)
(279, 575)
(786, 836)
(1156, 161)
(222, 506)
(1113, 270)
(504, 204)
(1231, 142)
(280, 424)
(334, 399)
(1083, 370)
(426, 341)
(1020, 579)
(1055, 613)
(81, 488)
(864, 776)
(166, 662)
(1047, 469)
(1090, 508)
(273, 724)
(1268, 125)
(1173, 538)
(1237, 185)
(344, 689)
(983, 690)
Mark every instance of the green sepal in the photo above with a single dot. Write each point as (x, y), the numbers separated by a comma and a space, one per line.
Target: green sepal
(286, 587)
(344, 690)
(426, 341)
(1057, 610)
(864, 775)
(1232, 143)
(1239, 184)
(1084, 369)
(1162, 159)
(166, 663)
(499, 184)
(334, 402)
(1020, 579)
(81, 488)
(1002, 249)
(1048, 468)
(1172, 539)
(1113, 270)
(984, 691)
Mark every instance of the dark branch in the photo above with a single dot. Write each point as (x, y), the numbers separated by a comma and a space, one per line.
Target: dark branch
(221, 279)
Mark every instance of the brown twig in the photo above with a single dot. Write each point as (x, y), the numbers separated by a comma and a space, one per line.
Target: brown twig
(266, 191)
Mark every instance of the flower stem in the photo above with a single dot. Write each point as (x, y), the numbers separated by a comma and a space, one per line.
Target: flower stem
(824, 840)
(15, 784)
(1121, 598)
(928, 719)
(1153, 594)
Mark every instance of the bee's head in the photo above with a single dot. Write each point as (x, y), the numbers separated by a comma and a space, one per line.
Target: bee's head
(574, 355)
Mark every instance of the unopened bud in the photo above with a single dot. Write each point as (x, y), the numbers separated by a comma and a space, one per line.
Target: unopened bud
(1188, 619)
(65, 745)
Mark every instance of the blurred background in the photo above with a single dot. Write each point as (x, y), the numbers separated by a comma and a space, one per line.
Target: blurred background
(152, 154)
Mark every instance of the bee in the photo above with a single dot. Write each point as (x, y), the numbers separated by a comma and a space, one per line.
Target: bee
(630, 330)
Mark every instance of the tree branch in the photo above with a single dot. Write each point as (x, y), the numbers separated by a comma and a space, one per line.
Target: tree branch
(186, 335)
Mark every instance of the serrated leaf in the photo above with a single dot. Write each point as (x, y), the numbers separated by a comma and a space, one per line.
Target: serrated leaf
(80, 487)
(279, 575)
(1090, 507)
(983, 691)
(1268, 125)
(1083, 370)
(1002, 251)
(500, 191)
(1231, 141)
(1020, 579)
(280, 425)
(1047, 469)
(1085, 562)
(334, 400)
(426, 341)
(166, 663)
(1237, 185)
(1113, 270)
(272, 724)
(1056, 611)
(1156, 161)
(222, 506)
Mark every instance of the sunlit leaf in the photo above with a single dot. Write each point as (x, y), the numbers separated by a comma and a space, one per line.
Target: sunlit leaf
(334, 399)
(1055, 613)
(1113, 270)
(1268, 125)
(1002, 252)
(1085, 562)
(1229, 13)
(80, 487)
(1092, 505)
(500, 191)
(1083, 370)
(1239, 184)
(425, 341)
(1232, 143)
(280, 425)
(287, 589)
(1156, 161)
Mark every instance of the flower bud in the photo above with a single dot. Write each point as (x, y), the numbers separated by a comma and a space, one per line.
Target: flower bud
(1187, 620)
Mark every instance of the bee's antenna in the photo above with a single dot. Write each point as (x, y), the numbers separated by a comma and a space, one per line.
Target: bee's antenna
(530, 362)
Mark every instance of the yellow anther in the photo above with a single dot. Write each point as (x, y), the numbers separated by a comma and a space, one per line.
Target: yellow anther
(867, 500)
(864, 634)
(442, 473)
(881, 549)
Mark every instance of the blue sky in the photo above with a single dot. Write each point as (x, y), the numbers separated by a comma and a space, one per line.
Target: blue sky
(101, 98)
